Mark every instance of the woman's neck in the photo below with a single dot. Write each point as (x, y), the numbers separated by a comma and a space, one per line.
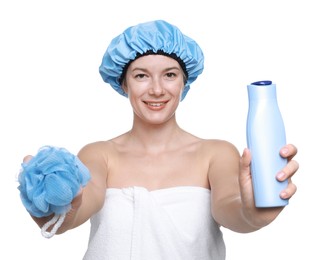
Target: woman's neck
(155, 137)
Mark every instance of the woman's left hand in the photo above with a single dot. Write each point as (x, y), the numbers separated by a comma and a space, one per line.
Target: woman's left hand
(259, 217)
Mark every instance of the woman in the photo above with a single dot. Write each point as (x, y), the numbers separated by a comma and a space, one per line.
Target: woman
(157, 191)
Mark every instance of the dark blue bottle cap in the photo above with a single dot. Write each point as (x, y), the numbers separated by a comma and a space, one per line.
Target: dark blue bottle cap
(262, 83)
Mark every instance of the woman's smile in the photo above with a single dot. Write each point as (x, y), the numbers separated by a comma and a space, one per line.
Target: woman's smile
(156, 105)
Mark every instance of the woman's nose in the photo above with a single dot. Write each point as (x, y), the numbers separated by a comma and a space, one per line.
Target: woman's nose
(156, 87)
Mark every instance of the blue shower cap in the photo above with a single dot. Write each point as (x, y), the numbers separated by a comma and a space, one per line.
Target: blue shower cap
(51, 180)
(155, 37)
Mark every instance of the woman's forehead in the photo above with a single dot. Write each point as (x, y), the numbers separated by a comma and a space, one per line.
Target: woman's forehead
(150, 61)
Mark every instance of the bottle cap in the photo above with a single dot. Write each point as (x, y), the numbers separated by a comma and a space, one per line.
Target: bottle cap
(262, 83)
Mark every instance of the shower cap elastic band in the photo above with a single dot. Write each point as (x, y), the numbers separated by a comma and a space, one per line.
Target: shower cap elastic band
(155, 37)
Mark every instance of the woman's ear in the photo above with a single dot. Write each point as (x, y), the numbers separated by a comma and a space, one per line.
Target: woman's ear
(124, 86)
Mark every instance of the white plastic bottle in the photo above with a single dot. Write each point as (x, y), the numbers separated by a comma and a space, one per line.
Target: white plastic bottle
(265, 138)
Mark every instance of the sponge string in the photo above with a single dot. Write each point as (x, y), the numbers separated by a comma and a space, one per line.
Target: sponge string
(57, 221)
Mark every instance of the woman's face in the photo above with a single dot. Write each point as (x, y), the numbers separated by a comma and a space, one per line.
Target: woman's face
(154, 84)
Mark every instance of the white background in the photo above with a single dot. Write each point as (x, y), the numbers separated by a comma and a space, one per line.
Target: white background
(51, 94)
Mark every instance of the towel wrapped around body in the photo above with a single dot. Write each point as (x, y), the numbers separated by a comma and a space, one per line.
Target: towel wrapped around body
(173, 223)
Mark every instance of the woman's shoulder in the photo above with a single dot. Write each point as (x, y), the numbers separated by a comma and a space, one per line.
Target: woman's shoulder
(105, 148)
(94, 146)
(100, 148)
(211, 146)
(218, 146)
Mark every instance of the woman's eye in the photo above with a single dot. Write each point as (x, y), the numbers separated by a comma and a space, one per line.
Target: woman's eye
(171, 75)
(140, 76)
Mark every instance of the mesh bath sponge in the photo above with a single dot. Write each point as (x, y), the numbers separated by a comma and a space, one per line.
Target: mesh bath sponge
(50, 181)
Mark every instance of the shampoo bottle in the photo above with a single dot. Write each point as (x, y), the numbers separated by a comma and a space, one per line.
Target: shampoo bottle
(265, 138)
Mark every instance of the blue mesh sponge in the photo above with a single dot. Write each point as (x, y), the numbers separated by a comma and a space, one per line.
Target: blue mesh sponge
(155, 36)
(50, 180)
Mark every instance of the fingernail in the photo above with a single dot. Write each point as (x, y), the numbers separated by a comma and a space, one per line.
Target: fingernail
(285, 151)
(281, 175)
(283, 194)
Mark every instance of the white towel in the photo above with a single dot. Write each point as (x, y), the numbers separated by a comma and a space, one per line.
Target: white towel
(137, 224)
